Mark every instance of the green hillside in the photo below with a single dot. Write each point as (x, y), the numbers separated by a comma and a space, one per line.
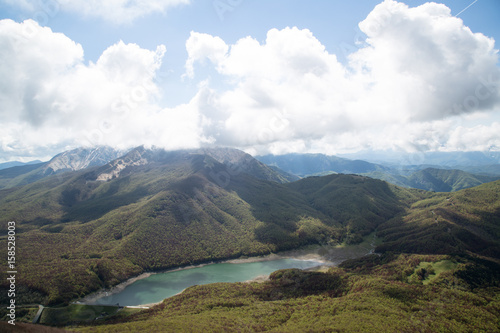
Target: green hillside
(414, 176)
(467, 221)
(372, 294)
(20, 175)
(433, 179)
(441, 180)
(158, 209)
(77, 232)
(360, 203)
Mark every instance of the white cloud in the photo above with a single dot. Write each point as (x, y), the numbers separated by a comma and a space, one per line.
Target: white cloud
(29, 66)
(420, 66)
(423, 81)
(425, 60)
(116, 11)
(50, 98)
(479, 137)
(203, 46)
(286, 88)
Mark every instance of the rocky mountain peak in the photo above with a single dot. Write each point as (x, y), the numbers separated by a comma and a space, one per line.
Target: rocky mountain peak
(81, 158)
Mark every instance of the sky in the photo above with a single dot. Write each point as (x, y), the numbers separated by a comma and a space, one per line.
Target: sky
(267, 77)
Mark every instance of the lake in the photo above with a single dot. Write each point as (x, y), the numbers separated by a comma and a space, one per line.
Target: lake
(153, 288)
(156, 287)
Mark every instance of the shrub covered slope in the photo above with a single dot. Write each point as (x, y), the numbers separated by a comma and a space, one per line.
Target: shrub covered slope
(151, 209)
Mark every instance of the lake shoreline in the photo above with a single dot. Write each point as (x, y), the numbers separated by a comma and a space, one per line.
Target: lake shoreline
(327, 255)
(91, 298)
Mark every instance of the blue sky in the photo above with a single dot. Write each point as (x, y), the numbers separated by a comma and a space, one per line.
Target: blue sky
(263, 76)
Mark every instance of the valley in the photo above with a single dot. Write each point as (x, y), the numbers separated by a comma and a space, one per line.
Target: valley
(150, 288)
(151, 210)
(445, 172)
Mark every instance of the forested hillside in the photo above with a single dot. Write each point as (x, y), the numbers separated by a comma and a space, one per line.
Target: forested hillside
(151, 209)
(388, 293)
(467, 221)
(439, 178)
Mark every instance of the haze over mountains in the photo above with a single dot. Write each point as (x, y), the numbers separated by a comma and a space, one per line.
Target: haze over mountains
(456, 159)
(441, 172)
(442, 176)
(15, 163)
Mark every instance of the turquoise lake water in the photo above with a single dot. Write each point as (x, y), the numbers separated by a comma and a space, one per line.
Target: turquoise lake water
(157, 287)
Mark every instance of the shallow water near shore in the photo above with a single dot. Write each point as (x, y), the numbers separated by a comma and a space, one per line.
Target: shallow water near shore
(157, 287)
(151, 288)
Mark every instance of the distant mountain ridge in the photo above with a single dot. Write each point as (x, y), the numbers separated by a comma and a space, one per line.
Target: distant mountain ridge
(312, 164)
(457, 160)
(16, 174)
(81, 158)
(239, 161)
(72, 160)
(12, 164)
(415, 176)
(463, 221)
(440, 180)
(282, 168)
(235, 160)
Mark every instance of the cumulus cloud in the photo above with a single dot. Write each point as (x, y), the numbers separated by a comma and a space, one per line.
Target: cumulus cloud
(425, 60)
(201, 46)
(29, 66)
(288, 87)
(421, 81)
(50, 97)
(479, 137)
(117, 11)
(419, 66)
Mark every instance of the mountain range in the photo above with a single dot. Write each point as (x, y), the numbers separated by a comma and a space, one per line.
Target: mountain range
(455, 160)
(443, 177)
(153, 209)
(304, 165)
(72, 160)
(149, 209)
(437, 178)
(15, 164)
